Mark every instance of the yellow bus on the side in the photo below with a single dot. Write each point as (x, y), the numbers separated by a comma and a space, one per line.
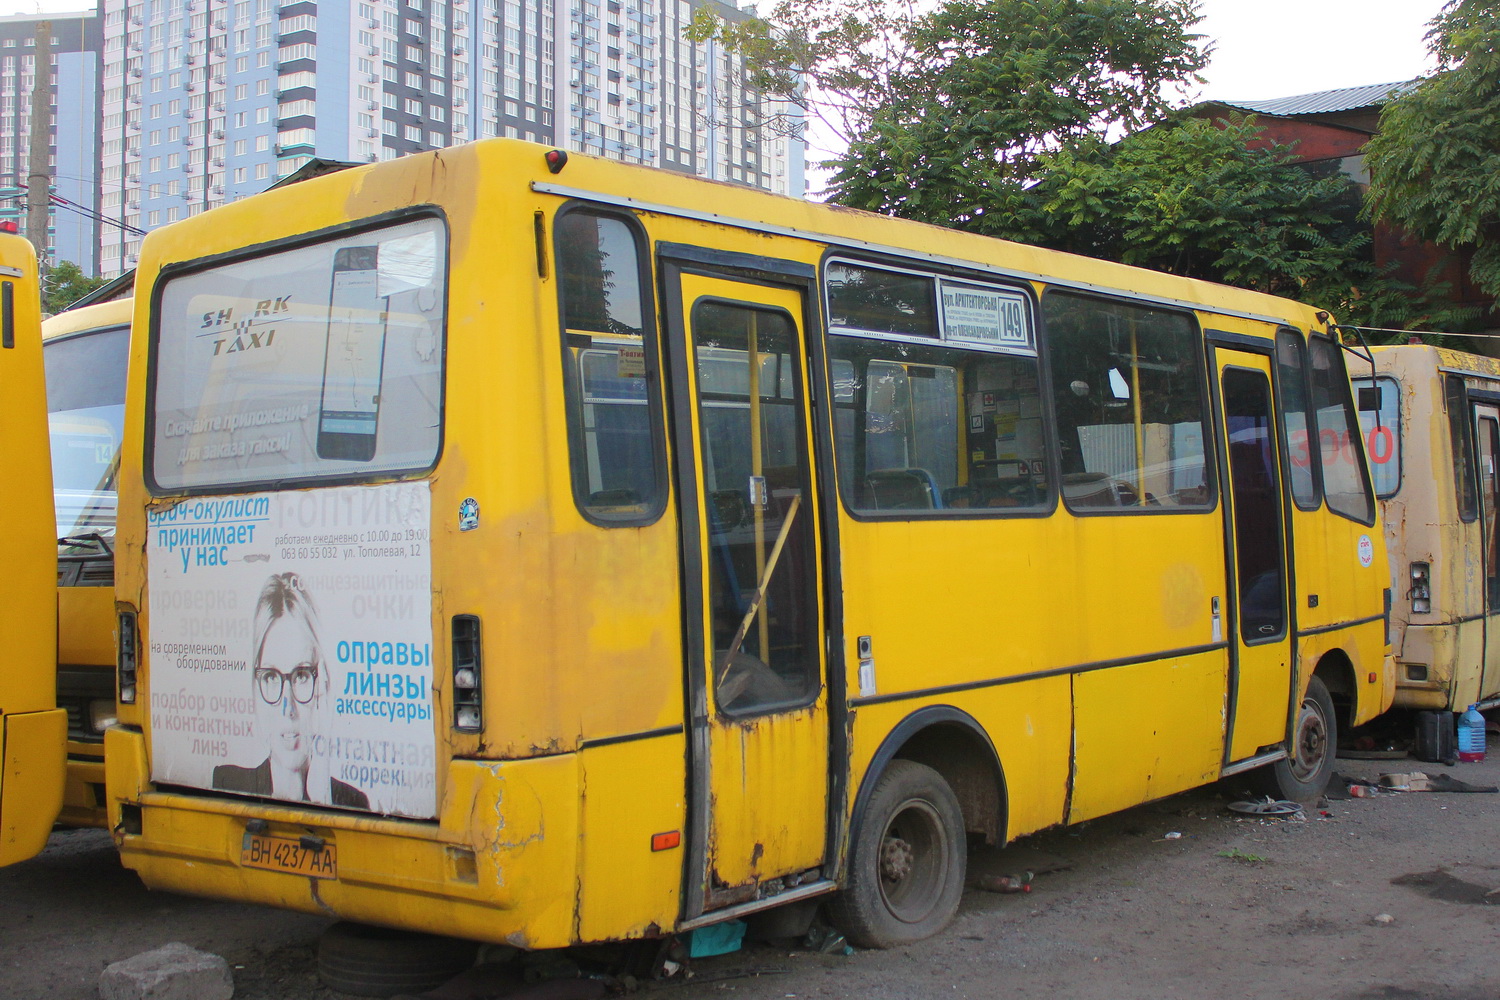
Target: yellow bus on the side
(85, 349)
(32, 727)
(535, 548)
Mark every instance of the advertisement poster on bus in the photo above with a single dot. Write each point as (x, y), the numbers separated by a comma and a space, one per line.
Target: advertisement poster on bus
(290, 644)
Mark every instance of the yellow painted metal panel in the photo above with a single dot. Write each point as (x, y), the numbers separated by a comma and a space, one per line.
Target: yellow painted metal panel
(116, 312)
(1147, 730)
(1030, 725)
(770, 786)
(83, 802)
(28, 605)
(499, 866)
(34, 730)
(31, 784)
(86, 627)
(631, 792)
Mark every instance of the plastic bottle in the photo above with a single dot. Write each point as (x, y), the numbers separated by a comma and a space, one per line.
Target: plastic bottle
(1005, 883)
(1471, 735)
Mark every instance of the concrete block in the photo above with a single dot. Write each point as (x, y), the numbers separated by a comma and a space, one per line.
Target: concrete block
(172, 972)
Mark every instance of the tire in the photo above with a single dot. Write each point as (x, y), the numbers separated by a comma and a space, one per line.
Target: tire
(906, 862)
(1304, 774)
(379, 962)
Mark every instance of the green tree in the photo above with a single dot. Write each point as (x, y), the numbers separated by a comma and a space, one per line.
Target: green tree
(998, 84)
(1217, 200)
(65, 284)
(1435, 165)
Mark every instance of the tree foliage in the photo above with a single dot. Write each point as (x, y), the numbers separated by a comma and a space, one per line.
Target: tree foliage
(1435, 165)
(1217, 200)
(65, 284)
(997, 84)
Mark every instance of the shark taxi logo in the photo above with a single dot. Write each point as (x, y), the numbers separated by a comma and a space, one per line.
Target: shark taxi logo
(231, 331)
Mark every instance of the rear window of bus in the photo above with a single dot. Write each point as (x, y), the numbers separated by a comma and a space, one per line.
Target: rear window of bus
(319, 361)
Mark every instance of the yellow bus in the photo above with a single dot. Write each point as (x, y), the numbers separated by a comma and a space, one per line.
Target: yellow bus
(1431, 420)
(85, 349)
(534, 548)
(32, 727)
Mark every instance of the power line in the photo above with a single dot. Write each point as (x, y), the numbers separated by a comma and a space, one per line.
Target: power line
(73, 206)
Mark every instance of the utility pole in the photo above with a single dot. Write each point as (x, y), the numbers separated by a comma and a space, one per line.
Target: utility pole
(39, 174)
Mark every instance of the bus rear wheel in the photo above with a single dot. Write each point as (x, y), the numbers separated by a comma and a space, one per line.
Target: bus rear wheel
(1304, 774)
(907, 861)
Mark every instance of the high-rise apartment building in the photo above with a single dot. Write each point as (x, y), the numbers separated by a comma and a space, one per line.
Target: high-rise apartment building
(208, 101)
(74, 149)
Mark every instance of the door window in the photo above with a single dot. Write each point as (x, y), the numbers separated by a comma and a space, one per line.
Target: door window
(1256, 491)
(762, 574)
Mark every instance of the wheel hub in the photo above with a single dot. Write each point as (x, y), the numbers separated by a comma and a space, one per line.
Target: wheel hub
(895, 859)
(1312, 741)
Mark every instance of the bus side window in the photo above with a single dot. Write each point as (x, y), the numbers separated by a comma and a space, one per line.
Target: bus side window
(1379, 403)
(1291, 364)
(1462, 434)
(925, 421)
(1129, 388)
(614, 416)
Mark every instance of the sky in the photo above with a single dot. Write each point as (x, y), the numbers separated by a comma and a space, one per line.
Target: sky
(1263, 48)
(1280, 48)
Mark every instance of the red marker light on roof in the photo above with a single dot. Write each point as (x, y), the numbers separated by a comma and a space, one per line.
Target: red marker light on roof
(556, 160)
(9, 227)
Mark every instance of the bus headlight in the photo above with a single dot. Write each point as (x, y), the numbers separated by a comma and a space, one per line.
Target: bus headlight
(1421, 588)
(468, 715)
(126, 655)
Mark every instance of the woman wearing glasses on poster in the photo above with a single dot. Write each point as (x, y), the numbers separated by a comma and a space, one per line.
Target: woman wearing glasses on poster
(288, 682)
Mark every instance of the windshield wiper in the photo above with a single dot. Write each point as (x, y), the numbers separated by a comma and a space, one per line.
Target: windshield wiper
(90, 540)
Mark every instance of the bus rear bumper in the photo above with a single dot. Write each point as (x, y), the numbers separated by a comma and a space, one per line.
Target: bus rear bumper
(31, 784)
(499, 864)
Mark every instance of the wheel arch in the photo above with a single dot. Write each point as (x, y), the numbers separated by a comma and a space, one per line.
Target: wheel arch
(1336, 671)
(952, 743)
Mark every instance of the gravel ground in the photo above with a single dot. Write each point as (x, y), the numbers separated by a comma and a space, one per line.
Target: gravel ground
(1380, 898)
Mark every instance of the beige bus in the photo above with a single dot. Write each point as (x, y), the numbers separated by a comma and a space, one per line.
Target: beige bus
(1431, 421)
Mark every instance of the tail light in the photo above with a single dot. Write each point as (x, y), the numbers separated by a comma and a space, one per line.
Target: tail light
(468, 714)
(126, 652)
(1421, 588)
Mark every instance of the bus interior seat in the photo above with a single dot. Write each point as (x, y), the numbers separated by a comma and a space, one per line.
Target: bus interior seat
(1011, 491)
(902, 489)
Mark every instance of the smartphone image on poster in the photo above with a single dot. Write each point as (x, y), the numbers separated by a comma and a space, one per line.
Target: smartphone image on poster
(354, 359)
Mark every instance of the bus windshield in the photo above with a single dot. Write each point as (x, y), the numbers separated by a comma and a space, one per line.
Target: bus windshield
(85, 418)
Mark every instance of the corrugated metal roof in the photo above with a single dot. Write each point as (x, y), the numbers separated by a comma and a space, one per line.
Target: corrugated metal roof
(1326, 101)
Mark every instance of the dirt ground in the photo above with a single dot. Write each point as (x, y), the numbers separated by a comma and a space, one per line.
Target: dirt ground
(1233, 908)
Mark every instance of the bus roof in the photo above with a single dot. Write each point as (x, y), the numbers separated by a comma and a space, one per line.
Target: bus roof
(113, 313)
(452, 176)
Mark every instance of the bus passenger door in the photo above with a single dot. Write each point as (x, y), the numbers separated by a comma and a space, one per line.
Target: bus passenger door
(752, 576)
(1260, 689)
(1487, 449)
